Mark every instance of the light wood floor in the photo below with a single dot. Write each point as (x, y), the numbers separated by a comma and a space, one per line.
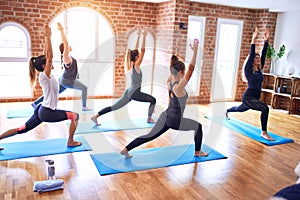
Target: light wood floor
(251, 171)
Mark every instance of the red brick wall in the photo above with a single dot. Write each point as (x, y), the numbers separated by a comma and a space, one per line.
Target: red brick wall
(124, 16)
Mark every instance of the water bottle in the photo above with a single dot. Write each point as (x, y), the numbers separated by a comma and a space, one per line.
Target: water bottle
(51, 170)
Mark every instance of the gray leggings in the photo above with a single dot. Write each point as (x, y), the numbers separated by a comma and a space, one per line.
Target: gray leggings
(163, 124)
(125, 99)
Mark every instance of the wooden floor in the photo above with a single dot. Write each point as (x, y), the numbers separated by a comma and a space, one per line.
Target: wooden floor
(251, 171)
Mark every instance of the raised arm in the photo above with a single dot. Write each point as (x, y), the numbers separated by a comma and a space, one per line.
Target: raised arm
(66, 54)
(138, 38)
(265, 48)
(141, 55)
(184, 81)
(248, 65)
(48, 51)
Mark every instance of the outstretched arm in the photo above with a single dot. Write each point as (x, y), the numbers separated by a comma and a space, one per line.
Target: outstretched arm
(248, 65)
(48, 51)
(191, 67)
(138, 39)
(141, 56)
(66, 54)
(265, 48)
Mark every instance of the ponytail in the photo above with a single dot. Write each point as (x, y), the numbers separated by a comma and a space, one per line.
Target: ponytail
(61, 49)
(32, 72)
(176, 65)
(128, 60)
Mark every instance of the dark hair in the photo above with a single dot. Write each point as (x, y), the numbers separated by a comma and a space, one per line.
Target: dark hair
(133, 54)
(176, 65)
(61, 49)
(36, 63)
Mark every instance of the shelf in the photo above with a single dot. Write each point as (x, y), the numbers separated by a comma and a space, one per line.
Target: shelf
(281, 93)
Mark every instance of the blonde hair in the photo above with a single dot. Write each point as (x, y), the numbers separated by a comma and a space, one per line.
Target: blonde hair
(32, 72)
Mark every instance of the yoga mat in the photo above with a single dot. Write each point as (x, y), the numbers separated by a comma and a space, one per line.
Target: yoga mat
(90, 127)
(22, 113)
(16, 150)
(249, 130)
(113, 163)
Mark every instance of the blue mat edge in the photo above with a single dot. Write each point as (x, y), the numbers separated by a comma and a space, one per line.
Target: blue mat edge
(283, 140)
(115, 171)
(85, 145)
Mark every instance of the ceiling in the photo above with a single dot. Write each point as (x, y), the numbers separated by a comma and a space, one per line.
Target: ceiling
(271, 5)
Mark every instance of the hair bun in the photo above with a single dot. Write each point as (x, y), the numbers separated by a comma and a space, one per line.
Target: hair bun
(174, 59)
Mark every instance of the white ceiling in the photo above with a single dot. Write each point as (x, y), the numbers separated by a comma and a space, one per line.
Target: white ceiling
(271, 5)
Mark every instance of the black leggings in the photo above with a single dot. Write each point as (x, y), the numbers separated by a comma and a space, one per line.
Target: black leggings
(137, 96)
(163, 124)
(255, 104)
(43, 114)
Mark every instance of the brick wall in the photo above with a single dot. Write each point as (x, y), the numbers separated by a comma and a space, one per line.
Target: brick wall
(164, 18)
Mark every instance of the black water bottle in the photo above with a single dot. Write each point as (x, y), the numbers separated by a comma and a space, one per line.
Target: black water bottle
(51, 170)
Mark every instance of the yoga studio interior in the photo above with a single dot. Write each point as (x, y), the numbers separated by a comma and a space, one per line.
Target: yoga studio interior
(40, 163)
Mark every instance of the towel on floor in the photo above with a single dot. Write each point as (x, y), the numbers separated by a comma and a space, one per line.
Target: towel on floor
(48, 185)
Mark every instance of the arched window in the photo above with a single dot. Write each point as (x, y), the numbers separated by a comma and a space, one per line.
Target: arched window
(14, 55)
(92, 42)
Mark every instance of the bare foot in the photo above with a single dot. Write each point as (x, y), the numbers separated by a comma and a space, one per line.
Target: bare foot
(1, 148)
(94, 119)
(226, 115)
(266, 136)
(200, 154)
(125, 153)
(86, 109)
(73, 143)
(150, 120)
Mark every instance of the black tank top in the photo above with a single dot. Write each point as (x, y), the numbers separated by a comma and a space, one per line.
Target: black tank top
(71, 72)
(176, 105)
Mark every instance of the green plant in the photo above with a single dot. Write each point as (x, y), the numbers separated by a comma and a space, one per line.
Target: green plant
(271, 53)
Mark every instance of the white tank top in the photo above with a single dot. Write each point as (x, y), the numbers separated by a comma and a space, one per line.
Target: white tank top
(50, 91)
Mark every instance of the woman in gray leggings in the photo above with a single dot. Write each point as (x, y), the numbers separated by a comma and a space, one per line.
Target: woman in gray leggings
(69, 79)
(173, 116)
(134, 60)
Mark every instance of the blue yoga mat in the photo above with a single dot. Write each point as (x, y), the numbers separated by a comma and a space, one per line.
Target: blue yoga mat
(113, 163)
(16, 150)
(249, 130)
(19, 113)
(89, 126)
(28, 112)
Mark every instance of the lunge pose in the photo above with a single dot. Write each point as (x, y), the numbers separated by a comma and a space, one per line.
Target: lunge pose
(46, 111)
(69, 79)
(134, 60)
(253, 72)
(173, 116)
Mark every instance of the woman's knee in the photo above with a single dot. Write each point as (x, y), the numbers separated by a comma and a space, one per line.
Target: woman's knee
(72, 116)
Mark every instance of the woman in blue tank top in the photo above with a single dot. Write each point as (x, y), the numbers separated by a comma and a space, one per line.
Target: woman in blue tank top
(253, 72)
(134, 60)
(173, 116)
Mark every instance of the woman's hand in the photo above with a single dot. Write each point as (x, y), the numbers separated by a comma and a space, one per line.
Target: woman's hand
(195, 46)
(145, 31)
(47, 31)
(60, 27)
(266, 34)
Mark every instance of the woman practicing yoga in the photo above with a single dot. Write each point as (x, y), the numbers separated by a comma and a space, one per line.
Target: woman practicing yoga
(173, 116)
(46, 111)
(69, 79)
(253, 72)
(134, 60)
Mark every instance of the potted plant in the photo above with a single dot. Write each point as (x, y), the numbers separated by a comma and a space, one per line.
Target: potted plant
(271, 53)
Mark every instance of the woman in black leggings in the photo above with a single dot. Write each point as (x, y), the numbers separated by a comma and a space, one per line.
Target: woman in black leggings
(253, 72)
(134, 60)
(173, 116)
(47, 111)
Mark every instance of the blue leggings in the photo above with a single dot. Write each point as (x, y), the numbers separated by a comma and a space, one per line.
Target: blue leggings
(255, 104)
(43, 114)
(163, 124)
(137, 96)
